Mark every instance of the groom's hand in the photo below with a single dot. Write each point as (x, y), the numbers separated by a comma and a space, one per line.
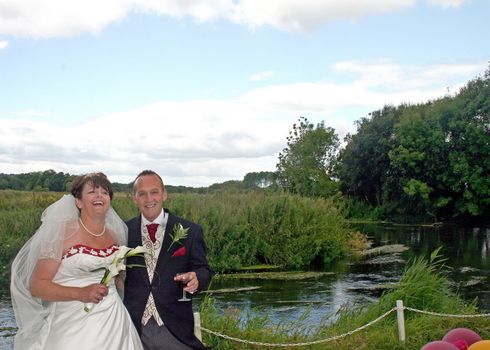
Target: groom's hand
(192, 282)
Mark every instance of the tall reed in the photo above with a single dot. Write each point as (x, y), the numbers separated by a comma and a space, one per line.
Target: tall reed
(241, 229)
(254, 227)
(20, 214)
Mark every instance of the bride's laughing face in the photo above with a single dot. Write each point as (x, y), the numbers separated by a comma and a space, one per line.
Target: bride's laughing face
(149, 196)
(94, 200)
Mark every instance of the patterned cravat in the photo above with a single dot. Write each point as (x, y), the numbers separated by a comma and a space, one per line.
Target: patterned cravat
(152, 230)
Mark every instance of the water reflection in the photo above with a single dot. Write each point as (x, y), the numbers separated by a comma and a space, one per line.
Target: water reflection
(484, 250)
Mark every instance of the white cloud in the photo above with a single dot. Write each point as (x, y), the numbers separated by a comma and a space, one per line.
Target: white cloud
(392, 76)
(3, 44)
(60, 18)
(55, 18)
(261, 75)
(201, 146)
(200, 142)
(448, 3)
(373, 85)
(201, 10)
(308, 15)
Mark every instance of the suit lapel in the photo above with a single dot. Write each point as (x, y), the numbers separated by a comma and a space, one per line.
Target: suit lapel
(135, 237)
(167, 238)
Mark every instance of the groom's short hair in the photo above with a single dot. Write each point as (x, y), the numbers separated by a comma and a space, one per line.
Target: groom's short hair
(145, 173)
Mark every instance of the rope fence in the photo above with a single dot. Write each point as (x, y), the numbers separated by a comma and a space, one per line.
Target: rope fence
(400, 320)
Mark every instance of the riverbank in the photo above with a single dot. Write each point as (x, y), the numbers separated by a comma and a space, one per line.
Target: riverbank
(422, 286)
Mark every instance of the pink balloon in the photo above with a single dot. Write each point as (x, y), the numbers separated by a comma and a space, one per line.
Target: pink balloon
(462, 333)
(439, 345)
(461, 344)
(480, 345)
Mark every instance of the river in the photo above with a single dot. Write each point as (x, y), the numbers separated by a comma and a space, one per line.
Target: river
(467, 251)
(318, 300)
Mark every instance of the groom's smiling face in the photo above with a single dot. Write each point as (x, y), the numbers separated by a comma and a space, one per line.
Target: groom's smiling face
(149, 196)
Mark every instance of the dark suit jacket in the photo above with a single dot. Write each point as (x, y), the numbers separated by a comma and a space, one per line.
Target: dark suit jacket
(177, 316)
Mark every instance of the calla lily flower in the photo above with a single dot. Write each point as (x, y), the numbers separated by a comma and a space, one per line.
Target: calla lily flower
(136, 251)
(119, 264)
(122, 252)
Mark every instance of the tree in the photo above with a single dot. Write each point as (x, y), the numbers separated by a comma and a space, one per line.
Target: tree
(468, 137)
(441, 153)
(230, 185)
(430, 158)
(363, 166)
(305, 165)
(262, 179)
(417, 161)
(47, 180)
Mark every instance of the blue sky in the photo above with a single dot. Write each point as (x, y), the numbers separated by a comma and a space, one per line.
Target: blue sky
(207, 91)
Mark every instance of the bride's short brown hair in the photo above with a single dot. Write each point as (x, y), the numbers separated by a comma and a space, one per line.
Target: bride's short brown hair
(95, 179)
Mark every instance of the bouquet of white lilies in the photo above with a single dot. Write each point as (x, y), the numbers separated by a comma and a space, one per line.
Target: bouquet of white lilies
(118, 264)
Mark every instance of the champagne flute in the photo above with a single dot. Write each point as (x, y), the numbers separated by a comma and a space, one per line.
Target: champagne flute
(182, 284)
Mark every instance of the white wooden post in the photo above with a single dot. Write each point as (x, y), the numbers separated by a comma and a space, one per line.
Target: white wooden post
(197, 325)
(401, 320)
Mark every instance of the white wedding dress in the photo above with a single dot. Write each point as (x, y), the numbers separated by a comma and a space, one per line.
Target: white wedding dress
(106, 326)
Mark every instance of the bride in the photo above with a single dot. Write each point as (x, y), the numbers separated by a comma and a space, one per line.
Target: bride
(56, 275)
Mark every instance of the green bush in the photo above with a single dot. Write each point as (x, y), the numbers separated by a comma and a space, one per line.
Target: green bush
(242, 229)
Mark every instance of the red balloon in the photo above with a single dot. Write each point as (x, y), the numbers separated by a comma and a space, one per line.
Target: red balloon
(439, 345)
(480, 345)
(462, 333)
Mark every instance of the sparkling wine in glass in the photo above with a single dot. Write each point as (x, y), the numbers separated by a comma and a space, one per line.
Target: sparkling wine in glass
(182, 284)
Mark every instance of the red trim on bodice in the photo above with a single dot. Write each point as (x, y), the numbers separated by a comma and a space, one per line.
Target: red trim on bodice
(83, 249)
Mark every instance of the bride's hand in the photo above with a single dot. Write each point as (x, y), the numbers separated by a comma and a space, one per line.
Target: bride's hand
(93, 293)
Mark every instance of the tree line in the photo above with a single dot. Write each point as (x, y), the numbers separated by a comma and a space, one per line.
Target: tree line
(52, 181)
(44, 181)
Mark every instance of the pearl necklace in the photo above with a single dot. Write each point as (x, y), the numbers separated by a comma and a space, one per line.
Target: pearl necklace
(93, 234)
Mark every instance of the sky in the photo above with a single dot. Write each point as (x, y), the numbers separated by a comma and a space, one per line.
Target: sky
(207, 91)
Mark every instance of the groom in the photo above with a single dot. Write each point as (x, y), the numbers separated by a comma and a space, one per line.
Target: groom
(174, 246)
